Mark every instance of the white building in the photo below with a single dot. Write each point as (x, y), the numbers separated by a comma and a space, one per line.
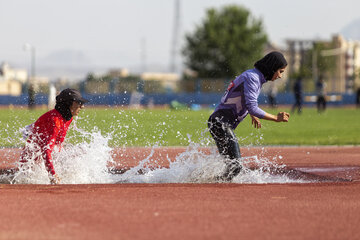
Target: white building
(167, 80)
(11, 80)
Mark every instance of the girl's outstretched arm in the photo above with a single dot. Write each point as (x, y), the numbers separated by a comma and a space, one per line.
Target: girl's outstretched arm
(280, 117)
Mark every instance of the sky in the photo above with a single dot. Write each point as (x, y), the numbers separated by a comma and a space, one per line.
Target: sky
(137, 34)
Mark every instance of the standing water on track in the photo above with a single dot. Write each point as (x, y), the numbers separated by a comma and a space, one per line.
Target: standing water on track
(195, 166)
(91, 161)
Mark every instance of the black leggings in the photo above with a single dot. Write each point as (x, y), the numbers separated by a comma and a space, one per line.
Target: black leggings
(224, 137)
(227, 144)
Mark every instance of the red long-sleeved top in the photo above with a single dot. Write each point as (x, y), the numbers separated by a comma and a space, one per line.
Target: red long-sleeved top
(49, 130)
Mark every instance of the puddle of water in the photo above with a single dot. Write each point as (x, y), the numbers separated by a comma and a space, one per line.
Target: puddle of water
(88, 163)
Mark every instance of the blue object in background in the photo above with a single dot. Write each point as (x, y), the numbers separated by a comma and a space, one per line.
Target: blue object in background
(195, 100)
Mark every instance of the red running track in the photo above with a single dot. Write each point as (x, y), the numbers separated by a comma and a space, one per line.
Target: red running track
(192, 211)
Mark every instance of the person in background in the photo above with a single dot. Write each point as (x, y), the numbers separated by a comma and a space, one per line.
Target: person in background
(50, 130)
(358, 98)
(321, 95)
(272, 95)
(298, 93)
(239, 100)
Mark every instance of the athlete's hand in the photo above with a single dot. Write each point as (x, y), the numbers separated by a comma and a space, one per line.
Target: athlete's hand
(283, 117)
(55, 179)
(255, 121)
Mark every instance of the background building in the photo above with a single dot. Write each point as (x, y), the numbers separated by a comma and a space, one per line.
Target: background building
(341, 77)
(11, 80)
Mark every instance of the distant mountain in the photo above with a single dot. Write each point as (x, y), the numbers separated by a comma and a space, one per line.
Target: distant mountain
(352, 30)
(67, 63)
(67, 58)
(66, 72)
(75, 65)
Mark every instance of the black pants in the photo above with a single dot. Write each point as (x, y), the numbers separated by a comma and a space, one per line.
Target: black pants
(298, 104)
(321, 103)
(226, 142)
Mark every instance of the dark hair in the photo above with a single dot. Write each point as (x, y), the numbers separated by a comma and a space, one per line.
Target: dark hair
(269, 64)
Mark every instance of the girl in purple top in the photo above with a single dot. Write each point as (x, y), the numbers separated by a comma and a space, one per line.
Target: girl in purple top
(239, 100)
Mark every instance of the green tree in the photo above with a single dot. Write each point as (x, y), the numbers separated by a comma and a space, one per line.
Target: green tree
(228, 42)
(90, 77)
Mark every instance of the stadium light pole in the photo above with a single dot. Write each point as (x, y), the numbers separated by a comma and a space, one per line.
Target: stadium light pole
(31, 90)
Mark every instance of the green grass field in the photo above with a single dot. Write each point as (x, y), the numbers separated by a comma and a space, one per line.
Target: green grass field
(337, 126)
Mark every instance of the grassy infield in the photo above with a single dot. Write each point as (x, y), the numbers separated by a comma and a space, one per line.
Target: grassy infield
(337, 126)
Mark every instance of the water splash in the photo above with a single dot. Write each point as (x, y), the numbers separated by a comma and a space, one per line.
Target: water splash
(195, 166)
(90, 161)
(87, 162)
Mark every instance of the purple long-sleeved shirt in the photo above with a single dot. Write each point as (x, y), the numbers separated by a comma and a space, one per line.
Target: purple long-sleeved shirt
(242, 94)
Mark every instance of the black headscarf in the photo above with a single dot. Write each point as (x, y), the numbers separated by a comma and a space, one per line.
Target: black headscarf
(65, 99)
(269, 64)
(63, 108)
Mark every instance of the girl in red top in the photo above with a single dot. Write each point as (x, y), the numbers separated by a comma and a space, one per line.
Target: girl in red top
(50, 130)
